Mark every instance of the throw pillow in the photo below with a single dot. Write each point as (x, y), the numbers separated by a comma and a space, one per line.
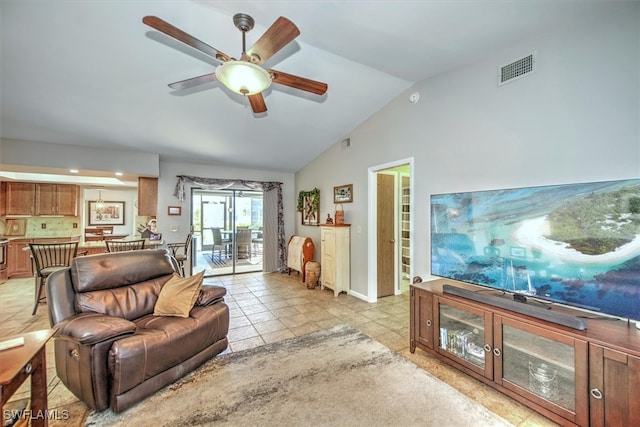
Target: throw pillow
(178, 295)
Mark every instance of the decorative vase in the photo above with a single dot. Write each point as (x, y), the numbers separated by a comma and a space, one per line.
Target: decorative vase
(312, 273)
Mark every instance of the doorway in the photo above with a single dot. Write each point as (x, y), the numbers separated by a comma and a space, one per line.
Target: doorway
(390, 209)
(227, 230)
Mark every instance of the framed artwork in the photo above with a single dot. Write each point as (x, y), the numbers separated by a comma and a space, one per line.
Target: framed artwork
(111, 213)
(174, 210)
(343, 194)
(309, 206)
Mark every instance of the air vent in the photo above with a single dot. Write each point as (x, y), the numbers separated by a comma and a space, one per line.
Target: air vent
(346, 143)
(517, 69)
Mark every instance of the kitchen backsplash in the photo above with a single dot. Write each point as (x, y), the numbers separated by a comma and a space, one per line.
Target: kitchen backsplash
(54, 226)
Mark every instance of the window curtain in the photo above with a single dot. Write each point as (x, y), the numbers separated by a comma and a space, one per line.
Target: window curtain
(274, 248)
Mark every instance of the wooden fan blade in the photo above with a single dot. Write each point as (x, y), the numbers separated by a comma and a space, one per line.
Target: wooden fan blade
(298, 82)
(280, 34)
(194, 81)
(257, 103)
(189, 40)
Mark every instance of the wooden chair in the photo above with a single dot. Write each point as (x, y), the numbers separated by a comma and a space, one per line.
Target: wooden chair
(124, 245)
(50, 257)
(181, 251)
(93, 234)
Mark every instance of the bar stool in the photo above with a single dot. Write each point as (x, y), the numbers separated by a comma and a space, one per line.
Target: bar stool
(50, 257)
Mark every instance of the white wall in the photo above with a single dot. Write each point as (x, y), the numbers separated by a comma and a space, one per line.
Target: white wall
(167, 183)
(128, 196)
(65, 156)
(577, 119)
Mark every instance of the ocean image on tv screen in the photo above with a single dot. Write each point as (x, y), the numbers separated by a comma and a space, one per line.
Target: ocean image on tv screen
(576, 244)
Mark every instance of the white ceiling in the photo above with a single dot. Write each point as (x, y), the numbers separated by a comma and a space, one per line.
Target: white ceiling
(91, 73)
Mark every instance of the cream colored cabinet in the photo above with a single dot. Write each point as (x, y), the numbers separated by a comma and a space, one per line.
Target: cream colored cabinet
(335, 259)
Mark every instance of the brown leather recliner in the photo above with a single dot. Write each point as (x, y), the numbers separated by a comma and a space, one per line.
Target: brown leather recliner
(110, 350)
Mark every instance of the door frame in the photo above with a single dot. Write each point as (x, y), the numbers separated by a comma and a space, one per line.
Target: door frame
(372, 219)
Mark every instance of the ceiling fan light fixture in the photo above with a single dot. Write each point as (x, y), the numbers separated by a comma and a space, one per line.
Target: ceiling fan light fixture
(243, 77)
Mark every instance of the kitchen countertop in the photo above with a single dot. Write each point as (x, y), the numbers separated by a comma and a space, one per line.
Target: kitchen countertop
(94, 244)
(101, 243)
(11, 238)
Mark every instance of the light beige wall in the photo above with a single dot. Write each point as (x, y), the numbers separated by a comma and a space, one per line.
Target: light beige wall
(576, 119)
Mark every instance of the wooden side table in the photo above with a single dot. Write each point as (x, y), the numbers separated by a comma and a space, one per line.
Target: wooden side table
(18, 363)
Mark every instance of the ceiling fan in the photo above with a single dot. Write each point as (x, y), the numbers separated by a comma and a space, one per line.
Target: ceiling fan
(245, 76)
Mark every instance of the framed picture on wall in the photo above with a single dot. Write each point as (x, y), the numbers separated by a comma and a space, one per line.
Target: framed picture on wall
(109, 213)
(311, 211)
(343, 194)
(309, 206)
(174, 211)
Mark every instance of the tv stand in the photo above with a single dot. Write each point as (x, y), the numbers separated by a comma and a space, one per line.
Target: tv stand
(585, 376)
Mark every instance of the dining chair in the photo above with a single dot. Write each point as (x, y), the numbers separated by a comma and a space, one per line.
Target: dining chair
(257, 241)
(181, 251)
(93, 234)
(47, 258)
(243, 241)
(124, 245)
(219, 243)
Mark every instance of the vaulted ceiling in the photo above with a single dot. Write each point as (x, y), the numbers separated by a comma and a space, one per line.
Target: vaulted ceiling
(91, 73)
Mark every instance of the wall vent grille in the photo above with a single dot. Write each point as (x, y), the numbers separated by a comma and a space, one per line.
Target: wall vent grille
(517, 69)
(346, 143)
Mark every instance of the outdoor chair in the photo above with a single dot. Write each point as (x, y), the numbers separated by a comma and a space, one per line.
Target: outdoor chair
(219, 243)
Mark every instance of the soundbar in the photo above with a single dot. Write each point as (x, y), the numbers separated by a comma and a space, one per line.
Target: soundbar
(537, 312)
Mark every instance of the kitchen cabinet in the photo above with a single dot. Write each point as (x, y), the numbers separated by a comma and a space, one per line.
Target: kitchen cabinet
(19, 260)
(572, 376)
(56, 199)
(147, 196)
(335, 257)
(27, 198)
(19, 198)
(3, 197)
(3, 260)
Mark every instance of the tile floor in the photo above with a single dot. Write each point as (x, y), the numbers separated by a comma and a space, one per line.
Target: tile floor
(268, 308)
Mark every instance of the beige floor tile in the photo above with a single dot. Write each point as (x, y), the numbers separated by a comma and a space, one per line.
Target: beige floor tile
(266, 308)
(278, 336)
(269, 326)
(246, 344)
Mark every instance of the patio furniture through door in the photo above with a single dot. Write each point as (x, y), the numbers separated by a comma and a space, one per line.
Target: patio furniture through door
(234, 214)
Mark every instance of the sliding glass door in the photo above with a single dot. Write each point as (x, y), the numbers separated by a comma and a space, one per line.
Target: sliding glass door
(227, 227)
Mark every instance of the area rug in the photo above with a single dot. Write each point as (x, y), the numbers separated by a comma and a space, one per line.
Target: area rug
(215, 261)
(336, 377)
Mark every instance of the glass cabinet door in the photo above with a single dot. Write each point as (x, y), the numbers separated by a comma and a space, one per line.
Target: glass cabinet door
(464, 335)
(539, 364)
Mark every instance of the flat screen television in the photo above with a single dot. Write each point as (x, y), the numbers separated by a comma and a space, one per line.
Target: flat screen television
(575, 244)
